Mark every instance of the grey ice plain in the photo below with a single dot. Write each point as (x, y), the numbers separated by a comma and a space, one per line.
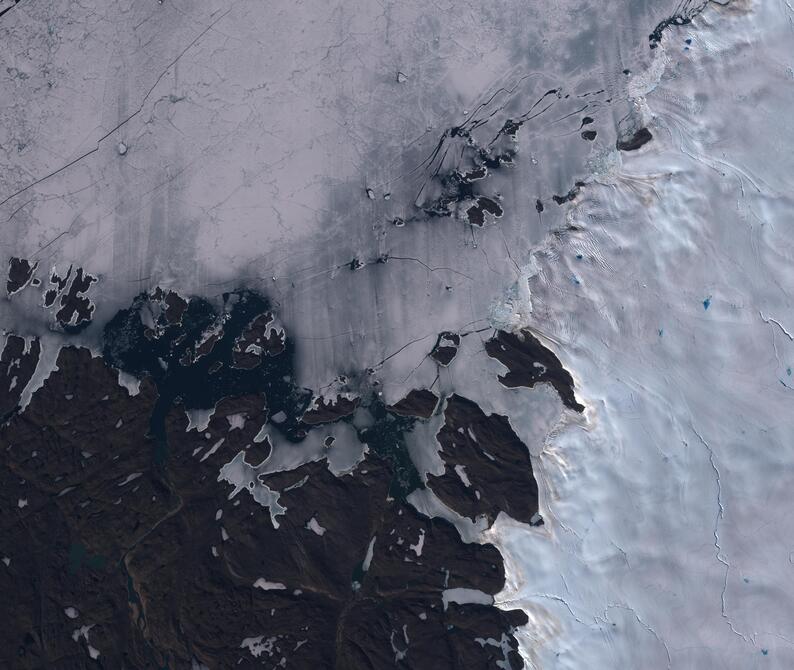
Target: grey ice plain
(212, 146)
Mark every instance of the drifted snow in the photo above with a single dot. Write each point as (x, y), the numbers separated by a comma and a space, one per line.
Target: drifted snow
(315, 527)
(420, 543)
(259, 645)
(198, 419)
(463, 596)
(265, 585)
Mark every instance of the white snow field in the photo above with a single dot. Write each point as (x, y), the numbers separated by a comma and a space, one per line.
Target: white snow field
(670, 537)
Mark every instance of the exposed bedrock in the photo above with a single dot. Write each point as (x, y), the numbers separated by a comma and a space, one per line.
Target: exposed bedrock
(113, 508)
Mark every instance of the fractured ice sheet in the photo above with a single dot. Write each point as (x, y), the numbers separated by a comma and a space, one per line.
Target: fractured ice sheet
(285, 157)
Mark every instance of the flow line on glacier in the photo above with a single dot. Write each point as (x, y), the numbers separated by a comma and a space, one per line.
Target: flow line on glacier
(720, 515)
